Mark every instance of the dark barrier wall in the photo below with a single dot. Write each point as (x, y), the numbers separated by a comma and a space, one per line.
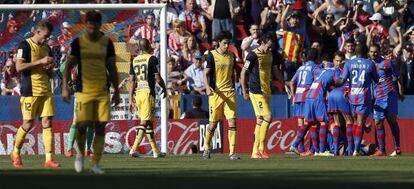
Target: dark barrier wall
(281, 107)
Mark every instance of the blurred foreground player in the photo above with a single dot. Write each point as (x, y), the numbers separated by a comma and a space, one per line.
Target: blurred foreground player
(94, 55)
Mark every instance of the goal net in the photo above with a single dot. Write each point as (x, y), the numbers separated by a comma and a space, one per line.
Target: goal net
(124, 24)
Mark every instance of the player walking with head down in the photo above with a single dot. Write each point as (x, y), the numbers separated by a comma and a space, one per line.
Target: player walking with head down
(257, 70)
(143, 75)
(35, 62)
(94, 55)
(219, 80)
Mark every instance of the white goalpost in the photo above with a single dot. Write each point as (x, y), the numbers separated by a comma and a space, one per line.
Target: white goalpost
(163, 40)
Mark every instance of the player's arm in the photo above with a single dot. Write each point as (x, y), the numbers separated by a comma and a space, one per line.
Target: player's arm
(132, 86)
(152, 64)
(207, 71)
(112, 71)
(49, 68)
(340, 81)
(23, 55)
(73, 59)
(374, 74)
(244, 75)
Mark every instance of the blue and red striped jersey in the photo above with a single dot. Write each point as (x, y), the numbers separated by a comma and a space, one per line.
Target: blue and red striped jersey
(361, 73)
(322, 83)
(303, 79)
(386, 84)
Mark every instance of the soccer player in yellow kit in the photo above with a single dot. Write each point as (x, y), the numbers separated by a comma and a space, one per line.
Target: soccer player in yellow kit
(94, 55)
(143, 75)
(219, 80)
(35, 62)
(257, 70)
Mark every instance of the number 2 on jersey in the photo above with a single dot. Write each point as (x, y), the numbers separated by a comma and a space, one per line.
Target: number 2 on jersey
(358, 77)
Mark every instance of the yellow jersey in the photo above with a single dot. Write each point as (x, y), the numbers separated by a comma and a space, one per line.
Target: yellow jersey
(34, 82)
(93, 62)
(221, 75)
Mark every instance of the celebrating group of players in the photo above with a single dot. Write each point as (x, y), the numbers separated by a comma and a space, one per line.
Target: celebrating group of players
(345, 88)
(325, 93)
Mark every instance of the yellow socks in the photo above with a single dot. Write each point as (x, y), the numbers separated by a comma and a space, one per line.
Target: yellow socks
(263, 133)
(151, 140)
(139, 137)
(232, 135)
(256, 139)
(209, 135)
(20, 136)
(48, 142)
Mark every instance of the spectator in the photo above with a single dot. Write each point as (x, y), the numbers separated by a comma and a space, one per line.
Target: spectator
(177, 39)
(349, 49)
(335, 7)
(172, 14)
(406, 64)
(223, 13)
(294, 39)
(387, 8)
(376, 32)
(328, 32)
(410, 33)
(194, 21)
(147, 31)
(251, 42)
(174, 75)
(196, 112)
(393, 31)
(409, 13)
(10, 84)
(360, 14)
(366, 6)
(194, 76)
(191, 48)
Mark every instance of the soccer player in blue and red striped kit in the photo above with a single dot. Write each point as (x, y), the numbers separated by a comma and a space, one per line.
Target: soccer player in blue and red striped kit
(338, 105)
(361, 72)
(386, 100)
(300, 85)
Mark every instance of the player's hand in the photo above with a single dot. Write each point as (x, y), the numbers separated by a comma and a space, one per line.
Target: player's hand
(115, 98)
(367, 128)
(209, 91)
(246, 96)
(402, 97)
(164, 92)
(46, 60)
(65, 95)
(131, 106)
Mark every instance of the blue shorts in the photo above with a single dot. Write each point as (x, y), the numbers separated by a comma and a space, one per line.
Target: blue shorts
(362, 109)
(315, 110)
(384, 106)
(298, 109)
(338, 103)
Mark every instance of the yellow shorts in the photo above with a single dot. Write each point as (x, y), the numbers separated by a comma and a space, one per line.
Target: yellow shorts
(222, 102)
(92, 107)
(260, 104)
(146, 105)
(37, 106)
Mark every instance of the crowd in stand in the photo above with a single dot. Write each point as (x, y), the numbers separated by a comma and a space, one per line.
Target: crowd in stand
(328, 25)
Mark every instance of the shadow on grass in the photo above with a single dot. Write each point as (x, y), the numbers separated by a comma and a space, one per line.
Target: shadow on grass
(208, 179)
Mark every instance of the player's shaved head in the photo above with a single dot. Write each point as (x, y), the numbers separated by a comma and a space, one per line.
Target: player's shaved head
(144, 44)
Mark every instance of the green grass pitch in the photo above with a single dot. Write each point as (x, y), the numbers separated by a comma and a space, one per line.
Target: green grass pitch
(191, 171)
